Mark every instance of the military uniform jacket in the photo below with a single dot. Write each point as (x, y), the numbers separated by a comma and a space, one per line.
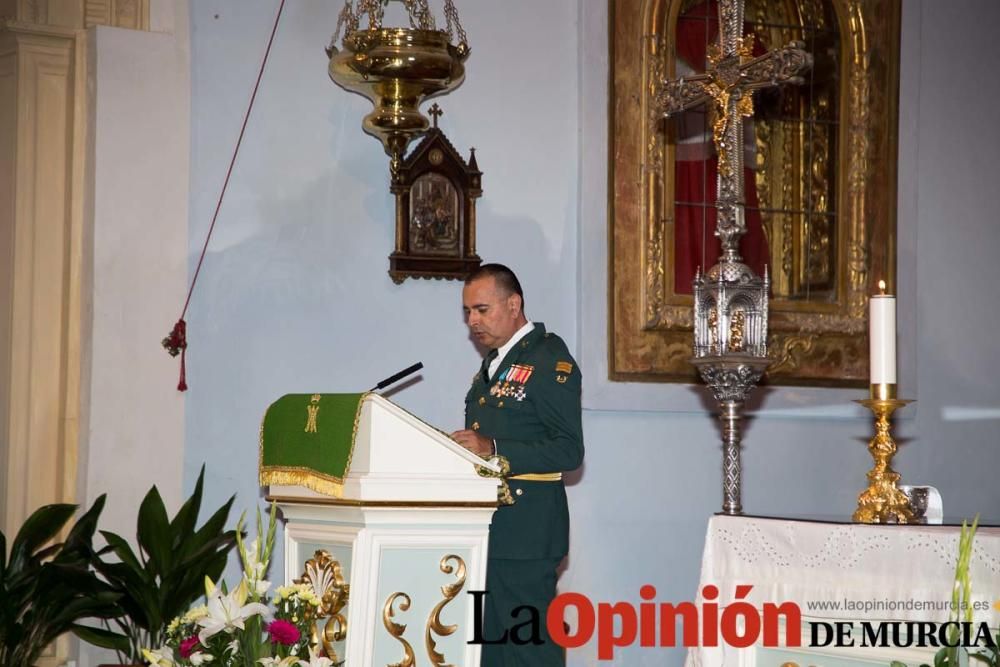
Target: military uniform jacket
(531, 408)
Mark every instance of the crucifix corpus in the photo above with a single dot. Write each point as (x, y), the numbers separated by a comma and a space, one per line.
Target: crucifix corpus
(730, 300)
(729, 83)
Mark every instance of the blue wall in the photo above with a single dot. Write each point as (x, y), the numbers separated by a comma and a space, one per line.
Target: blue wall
(294, 296)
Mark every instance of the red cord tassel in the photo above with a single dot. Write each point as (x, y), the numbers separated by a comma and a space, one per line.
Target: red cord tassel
(176, 340)
(182, 384)
(176, 343)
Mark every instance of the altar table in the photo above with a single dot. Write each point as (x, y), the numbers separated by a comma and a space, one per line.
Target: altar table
(842, 572)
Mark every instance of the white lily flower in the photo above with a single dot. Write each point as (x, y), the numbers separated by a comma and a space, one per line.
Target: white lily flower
(253, 567)
(161, 657)
(228, 612)
(197, 659)
(276, 662)
(315, 660)
(261, 587)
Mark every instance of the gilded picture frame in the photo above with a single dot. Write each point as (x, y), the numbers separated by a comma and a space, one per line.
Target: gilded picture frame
(811, 342)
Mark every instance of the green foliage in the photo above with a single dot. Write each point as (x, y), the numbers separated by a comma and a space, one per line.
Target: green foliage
(961, 611)
(46, 590)
(960, 657)
(165, 576)
(961, 598)
(989, 656)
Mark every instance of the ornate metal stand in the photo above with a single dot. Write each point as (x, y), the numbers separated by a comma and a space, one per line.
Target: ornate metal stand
(731, 379)
(882, 501)
(730, 300)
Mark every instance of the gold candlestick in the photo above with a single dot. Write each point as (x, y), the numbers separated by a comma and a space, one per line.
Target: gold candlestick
(882, 501)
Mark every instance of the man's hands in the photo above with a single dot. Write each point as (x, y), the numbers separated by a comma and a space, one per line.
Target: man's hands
(474, 442)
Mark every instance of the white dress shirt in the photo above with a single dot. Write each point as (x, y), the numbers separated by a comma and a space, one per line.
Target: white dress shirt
(502, 352)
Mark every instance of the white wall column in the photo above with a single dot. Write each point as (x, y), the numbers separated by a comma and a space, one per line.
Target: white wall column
(140, 144)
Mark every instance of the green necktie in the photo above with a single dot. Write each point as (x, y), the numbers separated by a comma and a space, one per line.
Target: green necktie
(486, 365)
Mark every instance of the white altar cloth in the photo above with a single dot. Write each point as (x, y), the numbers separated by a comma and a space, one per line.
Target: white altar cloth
(889, 567)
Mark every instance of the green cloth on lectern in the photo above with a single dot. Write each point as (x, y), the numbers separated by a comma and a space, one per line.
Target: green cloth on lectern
(308, 440)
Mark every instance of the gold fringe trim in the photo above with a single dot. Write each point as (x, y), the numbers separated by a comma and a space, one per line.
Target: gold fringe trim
(354, 432)
(260, 445)
(325, 484)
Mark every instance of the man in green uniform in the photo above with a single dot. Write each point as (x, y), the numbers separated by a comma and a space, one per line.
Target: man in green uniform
(524, 405)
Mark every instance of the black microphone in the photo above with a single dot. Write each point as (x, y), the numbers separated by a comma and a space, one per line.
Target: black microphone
(398, 376)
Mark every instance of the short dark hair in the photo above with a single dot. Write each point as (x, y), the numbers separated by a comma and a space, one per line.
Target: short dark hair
(504, 277)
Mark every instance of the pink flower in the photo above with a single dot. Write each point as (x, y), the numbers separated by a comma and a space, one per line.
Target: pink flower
(188, 646)
(283, 632)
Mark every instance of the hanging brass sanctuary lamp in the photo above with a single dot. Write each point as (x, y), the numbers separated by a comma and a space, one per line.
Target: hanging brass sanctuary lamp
(397, 68)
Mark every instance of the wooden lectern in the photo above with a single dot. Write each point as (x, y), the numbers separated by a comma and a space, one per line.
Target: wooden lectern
(397, 537)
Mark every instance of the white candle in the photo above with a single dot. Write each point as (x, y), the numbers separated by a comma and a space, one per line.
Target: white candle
(882, 337)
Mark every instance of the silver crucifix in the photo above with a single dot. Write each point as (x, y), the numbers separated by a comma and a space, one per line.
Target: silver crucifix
(730, 300)
(729, 83)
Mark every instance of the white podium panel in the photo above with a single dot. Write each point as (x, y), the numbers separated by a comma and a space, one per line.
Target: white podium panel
(409, 534)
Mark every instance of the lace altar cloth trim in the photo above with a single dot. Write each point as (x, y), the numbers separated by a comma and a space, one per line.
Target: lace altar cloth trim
(885, 566)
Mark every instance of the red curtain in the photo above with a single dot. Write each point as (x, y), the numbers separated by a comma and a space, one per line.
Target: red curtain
(696, 168)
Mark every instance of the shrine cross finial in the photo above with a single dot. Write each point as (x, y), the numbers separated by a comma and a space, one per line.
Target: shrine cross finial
(435, 111)
(729, 82)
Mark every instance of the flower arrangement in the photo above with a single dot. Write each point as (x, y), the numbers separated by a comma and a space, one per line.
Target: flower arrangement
(242, 627)
(954, 655)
